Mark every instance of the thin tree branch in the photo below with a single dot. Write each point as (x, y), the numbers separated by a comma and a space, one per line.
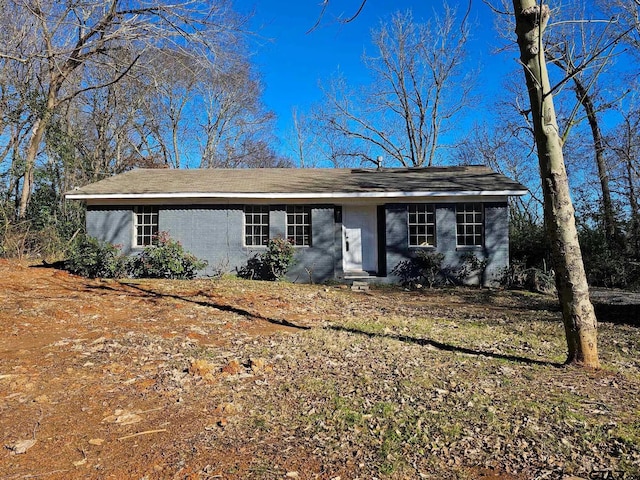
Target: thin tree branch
(355, 15)
(104, 85)
(595, 56)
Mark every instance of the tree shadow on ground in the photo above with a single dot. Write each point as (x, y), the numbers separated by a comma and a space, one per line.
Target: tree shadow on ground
(622, 308)
(445, 346)
(618, 314)
(203, 303)
(338, 328)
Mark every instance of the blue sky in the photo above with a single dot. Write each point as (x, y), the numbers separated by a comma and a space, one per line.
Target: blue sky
(293, 62)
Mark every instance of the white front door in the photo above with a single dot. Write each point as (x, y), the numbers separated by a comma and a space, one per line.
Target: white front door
(359, 238)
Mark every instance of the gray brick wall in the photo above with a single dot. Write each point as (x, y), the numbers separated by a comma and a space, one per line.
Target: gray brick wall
(317, 262)
(213, 233)
(111, 224)
(495, 249)
(397, 236)
(496, 240)
(216, 233)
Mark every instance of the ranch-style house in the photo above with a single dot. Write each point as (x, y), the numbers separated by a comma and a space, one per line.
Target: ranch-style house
(345, 223)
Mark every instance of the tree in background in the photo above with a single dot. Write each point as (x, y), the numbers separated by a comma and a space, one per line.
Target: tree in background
(418, 88)
(305, 141)
(57, 41)
(91, 89)
(579, 318)
(625, 143)
(583, 51)
(170, 80)
(236, 129)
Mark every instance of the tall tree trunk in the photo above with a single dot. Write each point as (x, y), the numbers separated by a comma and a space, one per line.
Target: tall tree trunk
(175, 145)
(610, 224)
(571, 282)
(635, 210)
(37, 134)
(628, 154)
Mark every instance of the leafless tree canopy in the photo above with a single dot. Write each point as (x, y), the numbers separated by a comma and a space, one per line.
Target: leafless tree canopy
(416, 71)
(100, 87)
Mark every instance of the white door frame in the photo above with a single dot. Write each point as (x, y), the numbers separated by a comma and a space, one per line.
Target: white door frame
(360, 238)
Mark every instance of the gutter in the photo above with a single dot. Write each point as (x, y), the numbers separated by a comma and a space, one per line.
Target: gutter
(274, 196)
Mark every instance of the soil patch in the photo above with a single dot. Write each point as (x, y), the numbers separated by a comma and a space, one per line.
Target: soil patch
(240, 379)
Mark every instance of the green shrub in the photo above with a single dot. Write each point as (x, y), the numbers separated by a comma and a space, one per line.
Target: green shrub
(528, 241)
(424, 268)
(606, 262)
(518, 276)
(93, 258)
(273, 264)
(471, 265)
(165, 259)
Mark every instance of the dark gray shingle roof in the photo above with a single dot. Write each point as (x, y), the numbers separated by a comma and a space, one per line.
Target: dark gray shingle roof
(268, 182)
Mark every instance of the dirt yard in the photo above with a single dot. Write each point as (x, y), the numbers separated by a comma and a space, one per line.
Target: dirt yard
(237, 379)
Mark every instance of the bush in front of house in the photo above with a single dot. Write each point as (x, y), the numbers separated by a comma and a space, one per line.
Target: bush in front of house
(92, 258)
(273, 264)
(426, 268)
(165, 259)
(520, 277)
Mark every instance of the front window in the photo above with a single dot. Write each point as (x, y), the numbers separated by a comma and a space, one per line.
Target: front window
(146, 225)
(469, 224)
(299, 225)
(422, 225)
(256, 225)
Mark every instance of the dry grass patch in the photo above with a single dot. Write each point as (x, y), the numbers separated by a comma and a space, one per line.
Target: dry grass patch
(259, 380)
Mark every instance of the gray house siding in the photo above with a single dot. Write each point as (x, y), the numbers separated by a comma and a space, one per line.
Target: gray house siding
(216, 233)
(111, 224)
(397, 236)
(317, 263)
(495, 249)
(496, 240)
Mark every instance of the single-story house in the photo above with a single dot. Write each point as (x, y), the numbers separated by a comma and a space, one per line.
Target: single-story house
(345, 223)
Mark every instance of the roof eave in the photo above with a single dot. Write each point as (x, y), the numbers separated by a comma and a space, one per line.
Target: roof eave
(282, 195)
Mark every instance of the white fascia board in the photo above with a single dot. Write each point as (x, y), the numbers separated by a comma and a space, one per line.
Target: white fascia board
(301, 196)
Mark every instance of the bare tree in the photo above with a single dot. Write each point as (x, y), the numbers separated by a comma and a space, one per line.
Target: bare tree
(171, 80)
(235, 120)
(112, 128)
(625, 144)
(583, 50)
(507, 149)
(58, 39)
(403, 113)
(627, 16)
(578, 314)
(303, 142)
(571, 283)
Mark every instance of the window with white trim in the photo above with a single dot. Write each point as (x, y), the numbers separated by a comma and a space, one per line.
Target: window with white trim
(469, 224)
(256, 225)
(422, 225)
(145, 225)
(299, 225)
